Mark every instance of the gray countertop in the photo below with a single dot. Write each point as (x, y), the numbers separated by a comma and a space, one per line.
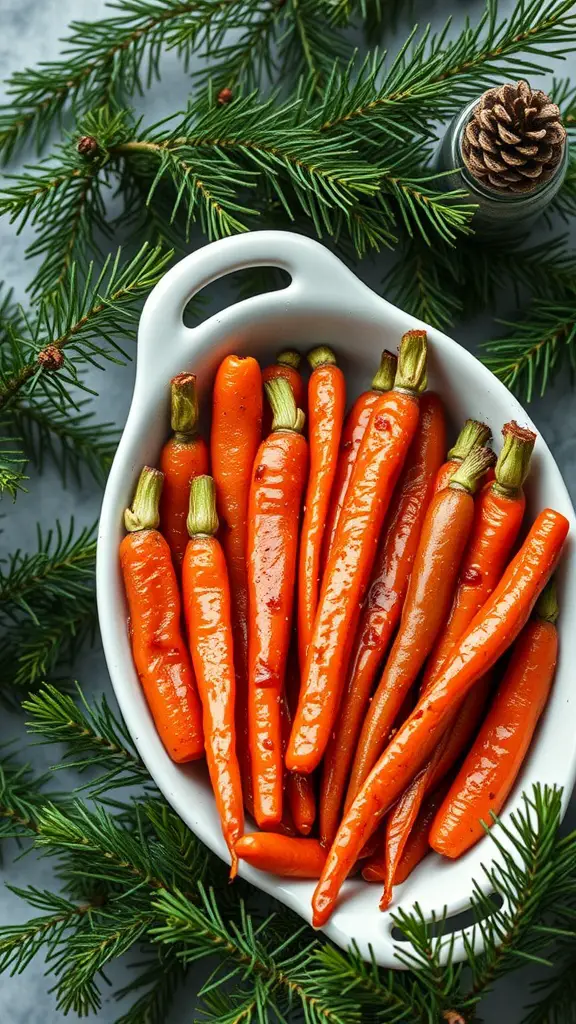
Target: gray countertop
(30, 30)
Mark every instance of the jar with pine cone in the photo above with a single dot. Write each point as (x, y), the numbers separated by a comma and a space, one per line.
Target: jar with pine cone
(508, 151)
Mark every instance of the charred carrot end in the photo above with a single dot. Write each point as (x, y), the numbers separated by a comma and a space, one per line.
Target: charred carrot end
(383, 379)
(202, 516)
(285, 414)
(474, 434)
(411, 368)
(143, 514)
(290, 357)
(469, 475)
(184, 407)
(514, 459)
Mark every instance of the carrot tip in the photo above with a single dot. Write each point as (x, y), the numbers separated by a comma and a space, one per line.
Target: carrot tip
(386, 898)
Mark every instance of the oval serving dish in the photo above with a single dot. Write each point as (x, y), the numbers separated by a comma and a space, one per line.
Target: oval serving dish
(325, 303)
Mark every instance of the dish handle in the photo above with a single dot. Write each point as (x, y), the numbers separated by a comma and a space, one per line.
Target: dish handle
(315, 272)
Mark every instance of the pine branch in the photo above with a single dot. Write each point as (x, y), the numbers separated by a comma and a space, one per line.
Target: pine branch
(558, 997)
(73, 320)
(20, 944)
(22, 795)
(12, 466)
(162, 973)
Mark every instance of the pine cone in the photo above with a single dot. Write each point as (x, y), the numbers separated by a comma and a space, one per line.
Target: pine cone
(51, 358)
(515, 138)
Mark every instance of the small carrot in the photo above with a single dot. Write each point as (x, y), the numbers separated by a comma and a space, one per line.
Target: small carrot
(491, 632)
(281, 855)
(207, 611)
(417, 845)
(489, 772)
(497, 520)
(383, 606)
(158, 647)
(184, 456)
(276, 492)
(326, 402)
(299, 789)
(285, 367)
(474, 434)
(380, 458)
(352, 433)
(444, 536)
(234, 440)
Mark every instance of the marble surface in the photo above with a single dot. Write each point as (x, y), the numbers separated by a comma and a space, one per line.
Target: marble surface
(30, 30)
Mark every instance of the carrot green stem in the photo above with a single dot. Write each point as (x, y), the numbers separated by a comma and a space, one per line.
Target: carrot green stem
(184, 406)
(321, 356)
(473, 435)
(469, 474)
(202, 514)
(383, 379)
(144, 513)
(514, 459)
(281, 398)
(290, 357)
(547, 604)
(411, 369)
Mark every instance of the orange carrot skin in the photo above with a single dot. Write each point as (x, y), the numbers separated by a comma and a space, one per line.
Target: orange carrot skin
(282, 855)
(159, 649)
(461, 731)
(382, 452)
(384, 602)
(491, 632)
(490, 770)
(417, 845)
(235, 437)
(296, 382)
(352, 433)
(497, 524)
(326, 402)
(208, 616)
(443, 539)
(180, 461)
(444, 474)
(278, 482)
(299, 789)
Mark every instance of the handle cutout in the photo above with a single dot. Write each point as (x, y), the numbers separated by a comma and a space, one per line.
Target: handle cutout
(231, 288)
(445, 926)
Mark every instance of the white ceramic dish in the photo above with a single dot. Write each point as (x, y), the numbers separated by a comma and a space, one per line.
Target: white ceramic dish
(324, 302)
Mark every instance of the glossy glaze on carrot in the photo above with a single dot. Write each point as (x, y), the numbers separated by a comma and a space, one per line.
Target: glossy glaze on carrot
(417, 845)
(184, 456)
(207, 610)
(381, 612)
(158, 647)
(299, 789)
(326, 402)
(276, 494)
(352, 433)
(491, 768)
(489, 635)
(282, 855)
(235, 437)
(380, 459)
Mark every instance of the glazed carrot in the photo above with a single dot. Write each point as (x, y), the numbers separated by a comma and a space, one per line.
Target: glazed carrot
(286, 367)
(158, 647)
(278, 482)
(380, 458)
(489, 635)
(299, 789)
(326, 404)
(445, 533)
(206, 594)
(184, 456)
(383, 606)
(484, 781)
(417, 845)
(474, 434)
(235, 436)
(497, 520)
(352, 433)
(281, 855)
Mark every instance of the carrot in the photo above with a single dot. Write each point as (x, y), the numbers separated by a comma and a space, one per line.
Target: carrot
(281, 855)
(383, 604)
(474, 434)
(498, 517)
(286, 367)
(184, 456)
(489, 635)
(276, 492)
(417, 845)
(380, 458)
(490, 769)
(326, 402)
(235, 436)
(444, 536)
(207, 611)
(352, 433)
(158, 647)
(299, 789)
